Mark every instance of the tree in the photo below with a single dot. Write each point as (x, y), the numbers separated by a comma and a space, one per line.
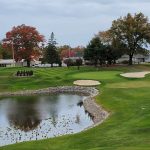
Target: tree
(105, 37)
(111, 54)
(95, 51)
(1, 51)
(66, 52)
(79, 63)
(25, 41)
(113, 51)
(68, 62)
(78, 51)
(5, 54)
(51, 55)
(102, 49)
(132, 34)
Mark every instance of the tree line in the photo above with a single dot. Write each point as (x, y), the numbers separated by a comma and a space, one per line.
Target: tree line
(25, 42)
(128, 35)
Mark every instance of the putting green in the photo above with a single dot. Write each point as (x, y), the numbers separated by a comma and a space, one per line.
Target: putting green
(98, 75)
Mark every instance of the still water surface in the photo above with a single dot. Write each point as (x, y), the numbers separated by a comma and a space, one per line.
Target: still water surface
(39, 117)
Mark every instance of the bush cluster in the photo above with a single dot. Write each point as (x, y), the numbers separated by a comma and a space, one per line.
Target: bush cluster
(24, 73)
(70, 62)
(125, 62)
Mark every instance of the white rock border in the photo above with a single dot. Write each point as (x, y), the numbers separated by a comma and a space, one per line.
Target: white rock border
(86, 82)
(135, 74)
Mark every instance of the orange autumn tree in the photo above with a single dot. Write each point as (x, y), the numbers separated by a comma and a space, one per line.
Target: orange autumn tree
(66, 51)
(25, 41)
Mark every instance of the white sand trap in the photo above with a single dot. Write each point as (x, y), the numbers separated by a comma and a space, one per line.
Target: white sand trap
(135, 74)
(86, 82)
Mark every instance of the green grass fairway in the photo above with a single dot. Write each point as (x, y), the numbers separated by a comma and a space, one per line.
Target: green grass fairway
(128, 101)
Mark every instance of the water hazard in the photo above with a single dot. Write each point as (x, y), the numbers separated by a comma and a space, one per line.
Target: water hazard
(40, 117)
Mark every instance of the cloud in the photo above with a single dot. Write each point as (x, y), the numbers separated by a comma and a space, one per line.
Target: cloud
(73, 21)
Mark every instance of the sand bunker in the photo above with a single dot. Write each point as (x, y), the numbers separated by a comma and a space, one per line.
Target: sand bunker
(135, 74)
(86, 82)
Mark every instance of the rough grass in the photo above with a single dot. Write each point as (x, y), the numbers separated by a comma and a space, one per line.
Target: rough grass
(128, 127)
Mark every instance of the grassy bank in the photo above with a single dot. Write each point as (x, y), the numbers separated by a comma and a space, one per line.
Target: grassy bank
(128, 100)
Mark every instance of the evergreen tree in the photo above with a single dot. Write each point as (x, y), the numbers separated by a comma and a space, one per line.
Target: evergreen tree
(51, 53)
(100, 52)
(95, 51)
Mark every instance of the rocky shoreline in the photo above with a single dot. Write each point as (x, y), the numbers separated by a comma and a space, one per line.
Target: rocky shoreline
(96, 111)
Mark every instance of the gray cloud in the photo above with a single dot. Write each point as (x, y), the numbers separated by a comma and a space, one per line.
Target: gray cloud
(73, 21)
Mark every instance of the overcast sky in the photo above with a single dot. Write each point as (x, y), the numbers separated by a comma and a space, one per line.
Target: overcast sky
(74, 22)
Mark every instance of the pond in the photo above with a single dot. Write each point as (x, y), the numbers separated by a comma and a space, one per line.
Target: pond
(30, 118)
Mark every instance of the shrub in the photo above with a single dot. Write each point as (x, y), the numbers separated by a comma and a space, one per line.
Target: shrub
(125, 62)
(24, 73)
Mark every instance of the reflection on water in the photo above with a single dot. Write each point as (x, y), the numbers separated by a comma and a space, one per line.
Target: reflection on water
(40, 117)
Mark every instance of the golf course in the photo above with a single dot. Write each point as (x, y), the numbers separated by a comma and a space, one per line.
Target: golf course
(126, 99)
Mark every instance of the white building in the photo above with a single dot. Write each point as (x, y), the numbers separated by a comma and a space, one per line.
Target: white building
(7, 62)
(13, 63)
(147, 58)
(23, 63)
(138, 58)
